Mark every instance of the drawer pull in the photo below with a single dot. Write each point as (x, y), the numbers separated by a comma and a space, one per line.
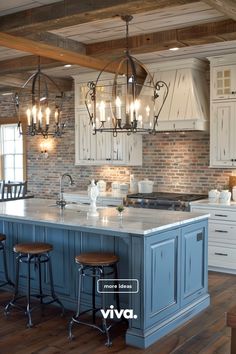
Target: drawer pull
(222, 231)
(221, 215)
(221, 254)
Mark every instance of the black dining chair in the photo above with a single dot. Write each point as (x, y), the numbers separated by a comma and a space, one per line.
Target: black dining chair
(14, 190)
(1, 189)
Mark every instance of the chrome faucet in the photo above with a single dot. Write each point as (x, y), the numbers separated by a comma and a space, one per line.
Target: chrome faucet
(61, 202)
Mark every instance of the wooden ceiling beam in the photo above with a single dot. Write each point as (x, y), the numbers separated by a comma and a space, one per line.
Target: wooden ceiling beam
(227, 7)
(58, 41)
(27, 63)
(53, 52)
(73, 12)
(152, 42)
(18, 80)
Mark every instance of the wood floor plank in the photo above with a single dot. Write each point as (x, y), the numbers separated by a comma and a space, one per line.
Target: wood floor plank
(205, 334)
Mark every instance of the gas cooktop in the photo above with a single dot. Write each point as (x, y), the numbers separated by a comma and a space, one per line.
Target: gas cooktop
(168, 196)
(162, 200)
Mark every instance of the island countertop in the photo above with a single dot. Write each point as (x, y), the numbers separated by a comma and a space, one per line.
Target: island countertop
(134, 221)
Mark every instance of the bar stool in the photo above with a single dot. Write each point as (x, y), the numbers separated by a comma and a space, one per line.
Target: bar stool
(2, 248)
(93, 265)
(36, 254)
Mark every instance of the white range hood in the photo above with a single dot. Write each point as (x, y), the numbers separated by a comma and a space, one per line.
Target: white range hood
(187, 105)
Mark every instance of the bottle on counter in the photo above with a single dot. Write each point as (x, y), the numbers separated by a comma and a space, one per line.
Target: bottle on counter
(133, 184)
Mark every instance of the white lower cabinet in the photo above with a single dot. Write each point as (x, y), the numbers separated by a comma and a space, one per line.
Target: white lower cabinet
(221, 236)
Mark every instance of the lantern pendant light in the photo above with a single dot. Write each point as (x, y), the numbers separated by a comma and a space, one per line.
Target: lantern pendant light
(40, 108)
(131, 102)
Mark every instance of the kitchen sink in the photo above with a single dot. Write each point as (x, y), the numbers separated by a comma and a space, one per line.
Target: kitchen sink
(76, 206)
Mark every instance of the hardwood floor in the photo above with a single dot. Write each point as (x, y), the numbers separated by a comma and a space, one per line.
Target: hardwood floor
(205, 334)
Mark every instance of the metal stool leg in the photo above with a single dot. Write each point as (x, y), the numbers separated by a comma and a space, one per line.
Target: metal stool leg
(93, 294)
(55, 298)
(16, 290)
(40, 281)
(8, 281)
(28, 307)
(104, 322)
(73, 320)
(117, 284)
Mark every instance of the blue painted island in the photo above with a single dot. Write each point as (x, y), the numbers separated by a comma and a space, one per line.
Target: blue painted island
(166, 251)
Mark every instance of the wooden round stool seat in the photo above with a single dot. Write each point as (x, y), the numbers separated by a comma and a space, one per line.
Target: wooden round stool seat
(33, 248)
(96, 259)
(2, 237)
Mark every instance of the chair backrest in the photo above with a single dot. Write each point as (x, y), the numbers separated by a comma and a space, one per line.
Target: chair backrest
(14, 190)
(1, 189)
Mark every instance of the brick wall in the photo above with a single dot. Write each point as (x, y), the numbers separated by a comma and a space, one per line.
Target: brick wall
(175, 162)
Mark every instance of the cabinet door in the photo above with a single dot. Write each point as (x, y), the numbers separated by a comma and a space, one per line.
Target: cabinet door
(194, 262)
(118, 149)
(84, 140)
(162, 275)
(127, 150)
(224, 82)
(103, 147)
(222, 138)
(134, 154)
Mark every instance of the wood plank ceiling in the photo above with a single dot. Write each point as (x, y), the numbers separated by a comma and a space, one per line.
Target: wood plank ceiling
(87, 34)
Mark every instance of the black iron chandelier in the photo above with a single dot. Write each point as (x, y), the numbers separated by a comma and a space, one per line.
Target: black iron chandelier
(131, 102)
(43, 110)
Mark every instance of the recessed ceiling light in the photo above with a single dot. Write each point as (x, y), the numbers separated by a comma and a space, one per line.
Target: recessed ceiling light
(174, 49)
(67, 65)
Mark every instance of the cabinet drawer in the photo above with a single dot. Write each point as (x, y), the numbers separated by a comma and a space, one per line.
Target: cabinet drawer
(222, 257)
(222, 232)
(219, 214)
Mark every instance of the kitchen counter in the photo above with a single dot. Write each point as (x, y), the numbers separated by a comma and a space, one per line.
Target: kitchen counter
(208, 203)
(165, 251)
(134, 221)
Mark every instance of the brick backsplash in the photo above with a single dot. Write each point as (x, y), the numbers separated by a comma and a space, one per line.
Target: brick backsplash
(175, 161)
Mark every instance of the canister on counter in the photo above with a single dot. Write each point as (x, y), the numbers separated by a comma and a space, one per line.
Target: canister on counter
(232, 182)
(234, 193)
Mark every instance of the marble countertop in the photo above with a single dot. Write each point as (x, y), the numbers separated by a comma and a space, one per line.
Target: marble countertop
(207, 203)
(134, 221)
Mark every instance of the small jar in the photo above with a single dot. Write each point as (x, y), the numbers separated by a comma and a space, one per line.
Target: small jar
(234, 193)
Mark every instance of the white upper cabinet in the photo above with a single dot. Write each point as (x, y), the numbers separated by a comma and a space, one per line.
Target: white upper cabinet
(223, 111)
(222, 134)
(102, 148)
(223, 77)
(224, 82)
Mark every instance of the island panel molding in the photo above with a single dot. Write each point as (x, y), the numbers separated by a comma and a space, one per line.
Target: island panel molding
(156, 250)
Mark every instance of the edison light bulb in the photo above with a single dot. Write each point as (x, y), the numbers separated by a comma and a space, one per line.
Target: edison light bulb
(48, 112)
(28, 112)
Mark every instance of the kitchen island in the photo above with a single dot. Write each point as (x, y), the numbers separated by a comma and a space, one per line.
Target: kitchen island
(166, 251)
